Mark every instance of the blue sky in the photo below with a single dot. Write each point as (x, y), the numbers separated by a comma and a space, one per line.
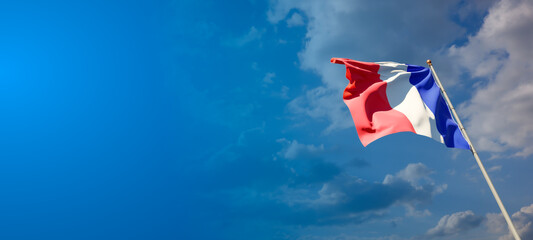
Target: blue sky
(224, 120)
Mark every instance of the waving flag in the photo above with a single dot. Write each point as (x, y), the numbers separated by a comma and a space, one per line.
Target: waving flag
(388, 97)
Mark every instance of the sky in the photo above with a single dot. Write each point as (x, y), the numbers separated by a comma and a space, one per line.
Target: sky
(224, 120)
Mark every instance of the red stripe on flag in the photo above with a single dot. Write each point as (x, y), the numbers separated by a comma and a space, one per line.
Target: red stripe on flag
(366, 98)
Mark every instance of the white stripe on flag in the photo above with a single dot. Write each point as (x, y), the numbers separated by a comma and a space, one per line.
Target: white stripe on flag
(404, 97)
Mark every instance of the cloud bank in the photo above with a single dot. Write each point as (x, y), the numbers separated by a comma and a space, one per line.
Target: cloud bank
(296, 185)
(500, 112)
(522, 220)
(362, 30)
(459, 223)
(454, 224)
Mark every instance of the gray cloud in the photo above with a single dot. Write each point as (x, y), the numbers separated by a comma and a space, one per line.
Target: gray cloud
(352, 195)
(500, 112)
(345, 199)
(456, 223)
(255, 161)
(413, 173)
(348, 237)
(295, 20)
(253, 180)
(522, 220)
(269, 76)
(367, 31)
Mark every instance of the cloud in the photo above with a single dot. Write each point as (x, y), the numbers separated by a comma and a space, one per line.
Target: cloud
(501, 110)
(367, 31)
(495, 168)
(295, 20)
(412, 174)
(255, 161)
(398, 188)
(460, 222)
(268, 77)
(474, 10)
(288, 182)
(522, 220)
(293, 149)
(348, 237)
(496, 223)
(252, 35)
(344, 199)
(349, 199)
(454, 224)
(322, 104)
(273, 88)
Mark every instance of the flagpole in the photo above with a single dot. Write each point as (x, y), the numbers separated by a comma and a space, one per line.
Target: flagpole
(476, 156)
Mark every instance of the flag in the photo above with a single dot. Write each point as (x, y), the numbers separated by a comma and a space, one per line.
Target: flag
(389, 97)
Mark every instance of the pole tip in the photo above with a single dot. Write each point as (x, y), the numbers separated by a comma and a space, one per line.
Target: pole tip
(429, 62)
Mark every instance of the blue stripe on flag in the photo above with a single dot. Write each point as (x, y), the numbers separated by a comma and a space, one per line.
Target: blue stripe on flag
(422, 79)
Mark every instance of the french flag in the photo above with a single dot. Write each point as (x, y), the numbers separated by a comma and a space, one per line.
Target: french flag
(388, 97)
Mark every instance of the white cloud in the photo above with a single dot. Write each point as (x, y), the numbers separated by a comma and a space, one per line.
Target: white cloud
(268, 77)
(495, 168)
(522, 220)
(500, 112)
(412, 173)
(295, 20)
(413, 212)
(284, 92)
(417, 174)
(293, 149)
(454, 224)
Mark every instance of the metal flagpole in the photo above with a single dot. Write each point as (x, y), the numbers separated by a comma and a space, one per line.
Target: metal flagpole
(476, 156)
